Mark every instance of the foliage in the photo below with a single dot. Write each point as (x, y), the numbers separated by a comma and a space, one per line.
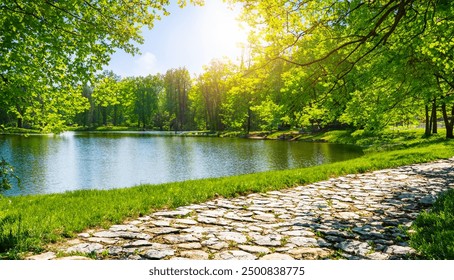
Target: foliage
(268, 113)
(147, 92)
(365, 64)
(131, 101)
(311, 65)
(177, 84)
(211, 91)
(49, 48)
(6, 175)
(236, 109)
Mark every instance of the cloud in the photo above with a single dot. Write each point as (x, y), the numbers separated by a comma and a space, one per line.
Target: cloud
(125, 65)
(144, 65)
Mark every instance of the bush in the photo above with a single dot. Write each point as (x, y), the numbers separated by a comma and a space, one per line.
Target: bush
(6, 175)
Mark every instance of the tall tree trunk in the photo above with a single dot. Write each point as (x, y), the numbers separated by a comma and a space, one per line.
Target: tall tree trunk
(19, 122)
(104, 116)
(449, 121)
(98, 116)
(249, 116)
(115, 115)
(434, 116)
(427, 131)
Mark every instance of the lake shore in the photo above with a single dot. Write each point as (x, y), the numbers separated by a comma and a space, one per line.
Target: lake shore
(108, 160)
(363, 216)
(29, 223)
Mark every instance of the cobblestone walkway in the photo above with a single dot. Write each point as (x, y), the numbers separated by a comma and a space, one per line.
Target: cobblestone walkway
(353, 217)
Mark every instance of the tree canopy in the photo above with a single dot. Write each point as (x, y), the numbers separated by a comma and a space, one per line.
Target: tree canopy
(51, 46)
(369, 58)
(308, 65)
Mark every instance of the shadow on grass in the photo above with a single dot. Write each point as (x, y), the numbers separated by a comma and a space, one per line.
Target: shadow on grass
(13, 237)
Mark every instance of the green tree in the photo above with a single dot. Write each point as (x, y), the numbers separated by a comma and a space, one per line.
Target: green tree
(62, 44)
(177, 83)
(237, 107)
(374, 59)
(147, 92)
(86, 117)
(348, 31)
(106, 96)
(212, 87)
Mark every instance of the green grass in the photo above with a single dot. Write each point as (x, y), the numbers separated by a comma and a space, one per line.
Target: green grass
(28, 223)
(389, 139)
(433, 231)
(16, 130)
(105, 128)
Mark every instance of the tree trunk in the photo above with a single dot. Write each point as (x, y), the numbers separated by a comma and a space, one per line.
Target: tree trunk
(434, 116)
(115, 122)
(104, 116)
(448, 121)
(98, 116)
(427, 131)
(249, 113)
(19, 122)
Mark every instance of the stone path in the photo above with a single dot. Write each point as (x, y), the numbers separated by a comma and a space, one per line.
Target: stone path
(353, 217)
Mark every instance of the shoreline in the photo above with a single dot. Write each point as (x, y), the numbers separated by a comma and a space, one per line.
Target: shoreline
(44, 219)
(340, 218)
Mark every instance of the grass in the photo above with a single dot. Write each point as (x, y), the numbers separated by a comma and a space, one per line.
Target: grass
(28, 223)
(389, 139)
(433, 231)
(15, 130)
(106, 128)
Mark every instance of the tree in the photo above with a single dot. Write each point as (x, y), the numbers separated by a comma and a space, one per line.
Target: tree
(61, 44)
(212, 87)
(237, 108)
(351, 30)
(86, 118)
(106, 95)
(397, 46)
(177, 83)
(147, 93)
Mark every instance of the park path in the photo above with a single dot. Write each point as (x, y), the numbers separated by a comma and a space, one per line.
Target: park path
(353, 217)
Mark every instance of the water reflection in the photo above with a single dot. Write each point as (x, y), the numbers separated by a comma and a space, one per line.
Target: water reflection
(71, 161)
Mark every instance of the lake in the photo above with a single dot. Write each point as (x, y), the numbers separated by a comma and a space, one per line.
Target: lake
(82, 160)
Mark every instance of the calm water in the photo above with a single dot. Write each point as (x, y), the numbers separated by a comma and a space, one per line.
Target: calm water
(72, 161)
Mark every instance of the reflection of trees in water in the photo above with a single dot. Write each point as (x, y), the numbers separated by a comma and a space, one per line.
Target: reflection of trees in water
(84, 160)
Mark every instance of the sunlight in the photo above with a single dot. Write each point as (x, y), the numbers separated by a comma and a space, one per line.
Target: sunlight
(221, 33)
(190, 37)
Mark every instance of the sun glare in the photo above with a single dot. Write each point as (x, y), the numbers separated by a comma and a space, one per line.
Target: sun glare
(221, 32)
(190, 37)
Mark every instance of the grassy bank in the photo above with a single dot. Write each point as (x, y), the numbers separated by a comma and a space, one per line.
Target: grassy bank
(104, 128)
(27, 223)
(433, 231)
(389, 139)
(21, 131)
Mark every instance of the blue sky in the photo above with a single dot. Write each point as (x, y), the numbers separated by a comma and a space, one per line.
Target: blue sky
(190, 37)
